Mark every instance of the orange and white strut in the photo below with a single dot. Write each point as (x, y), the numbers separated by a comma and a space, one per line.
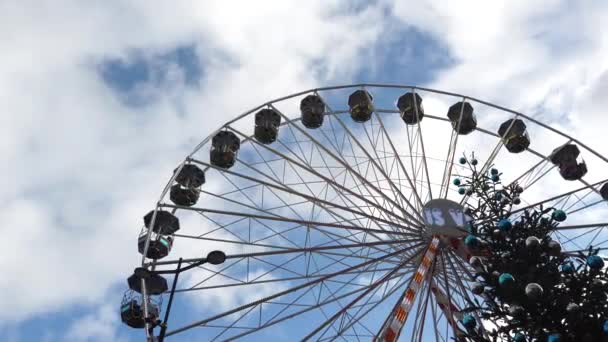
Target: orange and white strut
(394, 324)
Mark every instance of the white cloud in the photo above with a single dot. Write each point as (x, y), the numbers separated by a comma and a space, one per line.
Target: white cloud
(81, 168)
(100, 326)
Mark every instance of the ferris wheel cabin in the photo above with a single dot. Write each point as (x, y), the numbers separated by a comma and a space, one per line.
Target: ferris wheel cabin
(462, 118)
(514, 135)
(360, 105)
(410, 107)
(224, 147)
(313, 111)
(267, 123)
(565, 157)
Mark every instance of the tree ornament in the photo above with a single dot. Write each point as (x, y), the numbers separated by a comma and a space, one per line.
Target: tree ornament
(555, 337)
(495, 178)
(519, 337)
(494, 171)
(506, 279)
(572, 308)
(517, 311)
(456, 181)
(471, 241)
(595, 262)
(469, 322)
(462, 191)
(554, 247)
(474, 162)
(605, 327)
(567, 268)
(534, 291)
(462, 160)
(532, 242)
(516, 201)
(504, 225)
(559, 215)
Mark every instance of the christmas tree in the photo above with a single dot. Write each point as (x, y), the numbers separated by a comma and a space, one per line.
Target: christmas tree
(527, 288)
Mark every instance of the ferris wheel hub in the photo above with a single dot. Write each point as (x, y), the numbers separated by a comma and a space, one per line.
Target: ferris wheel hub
(445, 218)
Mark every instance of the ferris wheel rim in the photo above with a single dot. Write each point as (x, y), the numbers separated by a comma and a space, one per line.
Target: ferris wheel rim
(189, 158)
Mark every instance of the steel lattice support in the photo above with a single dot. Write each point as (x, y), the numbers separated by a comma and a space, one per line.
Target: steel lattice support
(392, 327)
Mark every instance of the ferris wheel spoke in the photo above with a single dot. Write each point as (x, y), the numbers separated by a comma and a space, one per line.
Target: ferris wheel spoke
(360, 146)
(534, 174)
(332, 182)
(555, 200)
(354, 301)
(330, 298)
(384, 169)
(400, 162)
(396, 191)
(357, 317)
(342, 161)
(284, 292)
(449, 161)
(308, 197)
(333, 236)
(321, 206)
(462, 289)
(285, 219)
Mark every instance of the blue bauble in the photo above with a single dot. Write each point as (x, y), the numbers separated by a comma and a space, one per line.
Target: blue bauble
(506, 279)
(495, 178)
(567, 268)
(469, 227)
(606, 327)
(471, 241)
(462, 160)
(469, 321)
(456, 181)
(595, 262)
(504, 224)
(474, 162)
(462, 191)
(494, 171)
(559, 215)
(498, 196)
(519, 337)
(554, 338)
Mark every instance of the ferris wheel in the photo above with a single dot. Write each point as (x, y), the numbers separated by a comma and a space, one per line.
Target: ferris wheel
(338, 213)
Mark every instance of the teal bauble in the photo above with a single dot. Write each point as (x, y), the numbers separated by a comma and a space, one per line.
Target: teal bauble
(595, 262)
(505, 224)
(506, 279)
(559, 215)
(469, 321)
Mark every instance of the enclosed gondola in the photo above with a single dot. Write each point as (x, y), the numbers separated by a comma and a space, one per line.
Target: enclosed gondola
(190, 176)
(267, 123)
(514, 135)
(410, 107)
(158, 248)
(165, 223)
(312, 109)
(360, 105)
(183, 196)
(566, 158)
(132, 311)
(462, 118)
(224, 147)
(155, 283)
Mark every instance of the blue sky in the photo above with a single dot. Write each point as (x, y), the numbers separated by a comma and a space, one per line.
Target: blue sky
(100, 103)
